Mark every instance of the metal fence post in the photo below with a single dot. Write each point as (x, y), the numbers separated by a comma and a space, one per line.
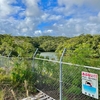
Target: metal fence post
(9, 54)
(60, 75)
(9, 58)
(33, 58)
(2, 59)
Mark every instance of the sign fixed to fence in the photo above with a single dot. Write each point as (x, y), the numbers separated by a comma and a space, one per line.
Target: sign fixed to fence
(90, 84)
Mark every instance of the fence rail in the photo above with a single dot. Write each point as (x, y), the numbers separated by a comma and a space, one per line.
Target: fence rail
(65, 63)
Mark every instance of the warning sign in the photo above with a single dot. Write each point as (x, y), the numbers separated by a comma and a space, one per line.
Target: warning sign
(90, 84)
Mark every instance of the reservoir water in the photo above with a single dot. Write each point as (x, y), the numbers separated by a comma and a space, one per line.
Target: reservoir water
(50, 55)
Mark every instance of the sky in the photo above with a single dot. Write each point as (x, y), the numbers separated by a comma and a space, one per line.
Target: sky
(49, 17)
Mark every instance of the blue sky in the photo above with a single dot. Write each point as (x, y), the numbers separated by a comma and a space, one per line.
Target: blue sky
(49, 17)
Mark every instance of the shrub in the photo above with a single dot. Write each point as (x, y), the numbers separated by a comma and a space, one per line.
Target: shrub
(21, 72)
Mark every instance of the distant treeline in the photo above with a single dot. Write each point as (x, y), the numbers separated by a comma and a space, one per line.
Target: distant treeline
(89, 45)
(26, 46)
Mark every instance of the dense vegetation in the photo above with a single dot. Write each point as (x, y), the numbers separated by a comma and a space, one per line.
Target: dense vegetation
(17, 79)
(25, 46)
(82, 49)
(17, 75)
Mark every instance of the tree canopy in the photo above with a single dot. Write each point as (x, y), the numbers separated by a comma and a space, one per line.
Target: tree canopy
(88, 45)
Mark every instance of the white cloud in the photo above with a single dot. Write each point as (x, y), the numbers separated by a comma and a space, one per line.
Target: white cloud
(32, 8)
(45, 32)
(95, 3)
(16, 26)
(55, 17)
(38, 33)
(24, 30)
(78, 8)
(78, 28)
(70, 2)
(5, 8)
(45, 16)
(95, 19)
(75, 26)
(67, 11)
(48, 31)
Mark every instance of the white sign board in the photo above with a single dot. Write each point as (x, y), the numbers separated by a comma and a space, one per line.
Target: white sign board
(90, 84)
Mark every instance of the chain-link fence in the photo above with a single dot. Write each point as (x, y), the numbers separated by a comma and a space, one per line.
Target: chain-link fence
(8, 61)
(72, 82)
(4, 61)
(15, 76)
(48, 79)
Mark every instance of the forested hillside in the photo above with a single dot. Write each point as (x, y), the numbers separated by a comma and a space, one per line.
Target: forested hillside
(83, 49)
(26, 46)
(83, 43)
(78, 49)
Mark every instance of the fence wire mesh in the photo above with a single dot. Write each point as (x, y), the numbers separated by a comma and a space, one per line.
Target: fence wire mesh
(48, 80)
(13, 73)
(7, 61)
(47, 77)
(72, 82)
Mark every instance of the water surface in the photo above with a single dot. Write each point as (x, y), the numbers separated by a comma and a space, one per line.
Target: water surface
(50, 55)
